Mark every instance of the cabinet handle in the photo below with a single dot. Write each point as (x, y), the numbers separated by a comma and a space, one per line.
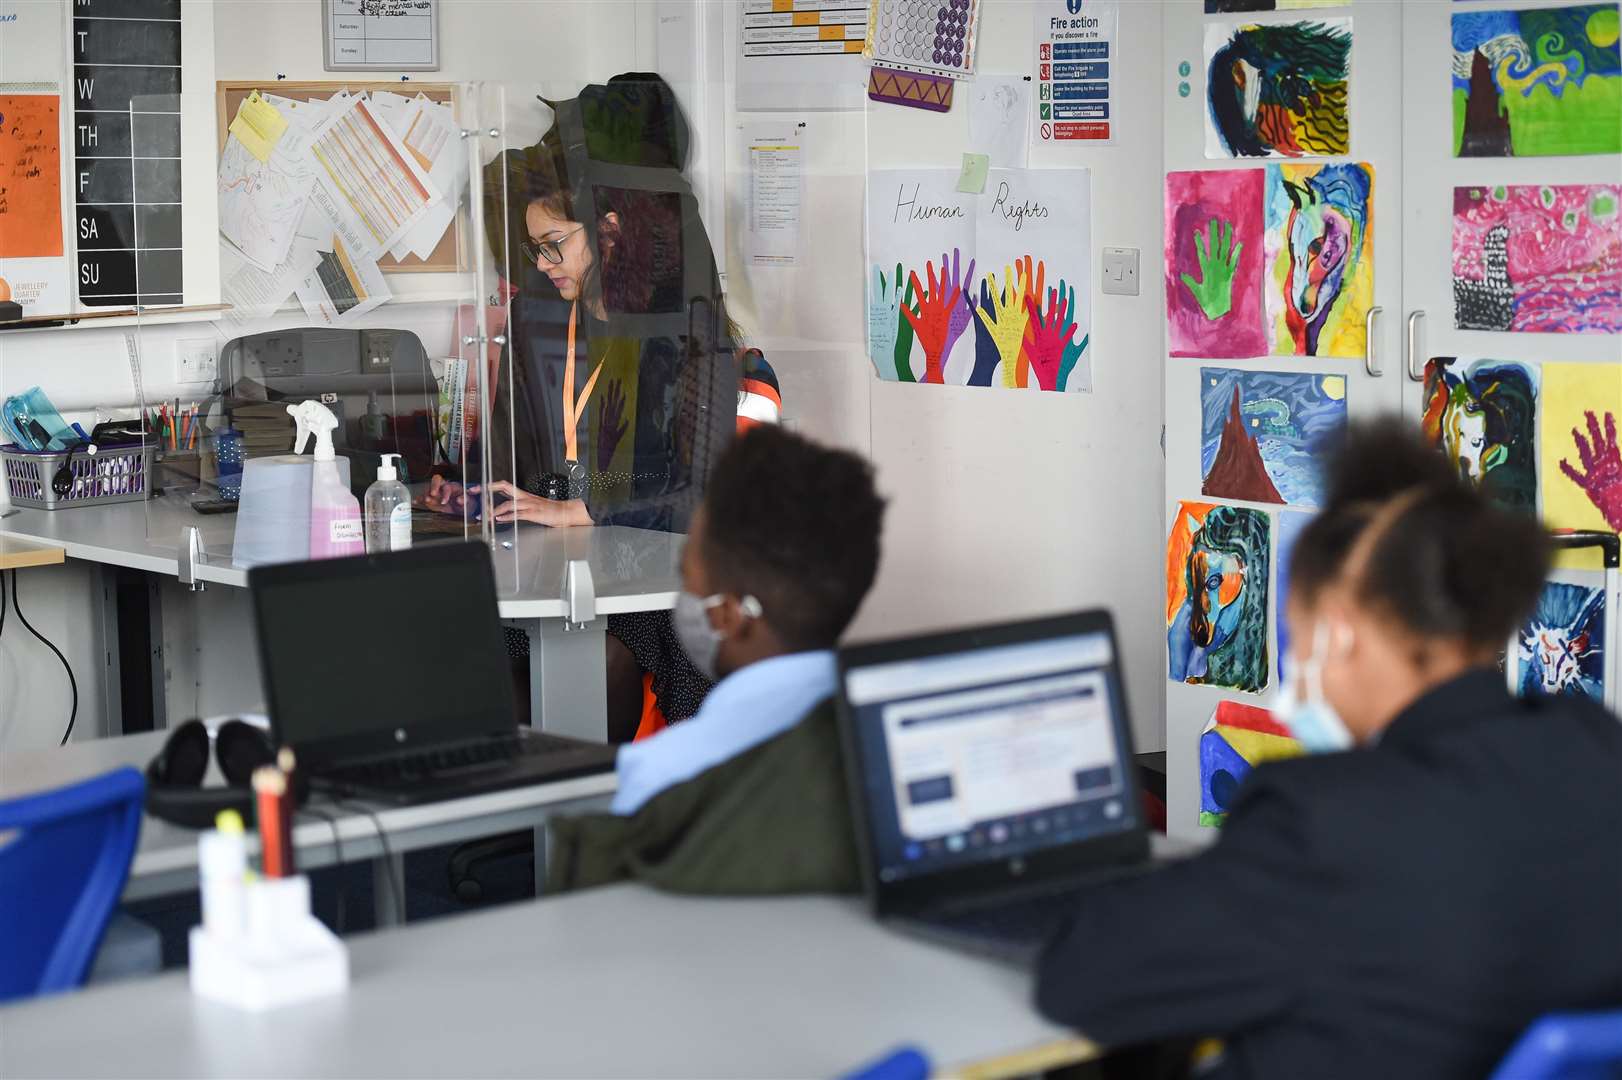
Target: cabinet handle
(1413, 348)
(1369, 365)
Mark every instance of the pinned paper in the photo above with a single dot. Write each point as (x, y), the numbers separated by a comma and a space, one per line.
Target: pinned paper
(258, 126)
(972, 179)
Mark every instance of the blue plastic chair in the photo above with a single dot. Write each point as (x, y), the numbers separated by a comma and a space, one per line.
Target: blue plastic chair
(1567, 1046)
(907, 1063)
(64, 855)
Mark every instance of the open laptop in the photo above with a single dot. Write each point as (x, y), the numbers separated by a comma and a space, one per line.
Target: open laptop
(992, 776)
(388, 676)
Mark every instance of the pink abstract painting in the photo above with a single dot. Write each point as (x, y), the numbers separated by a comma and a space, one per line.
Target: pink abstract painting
(1544, 258)
(1213, 261)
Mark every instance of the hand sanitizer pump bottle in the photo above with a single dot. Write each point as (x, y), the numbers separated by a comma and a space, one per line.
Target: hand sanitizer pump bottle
(388, 510)
(335, 521)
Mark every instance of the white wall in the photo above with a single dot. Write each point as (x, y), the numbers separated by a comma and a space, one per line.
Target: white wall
(1003, 504)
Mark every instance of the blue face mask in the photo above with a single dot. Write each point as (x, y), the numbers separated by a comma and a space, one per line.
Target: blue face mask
(1306, 711)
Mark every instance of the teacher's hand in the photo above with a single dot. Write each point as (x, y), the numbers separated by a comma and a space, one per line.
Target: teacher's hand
(522, 506)
(442, 494)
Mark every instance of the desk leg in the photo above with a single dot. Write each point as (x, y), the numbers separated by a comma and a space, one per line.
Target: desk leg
(568, 678)
(388, 877)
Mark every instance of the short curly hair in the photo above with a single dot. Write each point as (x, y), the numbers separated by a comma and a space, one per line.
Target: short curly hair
(797, 526)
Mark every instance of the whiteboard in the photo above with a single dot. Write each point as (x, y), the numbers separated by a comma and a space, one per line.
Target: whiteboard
(380, 35)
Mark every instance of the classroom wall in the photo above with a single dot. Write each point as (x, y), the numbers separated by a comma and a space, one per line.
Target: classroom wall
(1003, 504)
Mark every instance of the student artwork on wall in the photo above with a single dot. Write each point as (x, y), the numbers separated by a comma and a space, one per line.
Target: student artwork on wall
(1222, 7)
(1545, 258)
(1261, 432)
(1213, 263)
(1537, 82)
(1216, 596)
(1482, 415)
(1279, 90)
(1562, 646)
(988, 289)
(1236, 739)
(1290, 525)
(1581, 466)
(1320, 258)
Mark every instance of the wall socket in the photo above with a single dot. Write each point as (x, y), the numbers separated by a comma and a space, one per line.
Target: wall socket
(1121, 271)
(195, 361)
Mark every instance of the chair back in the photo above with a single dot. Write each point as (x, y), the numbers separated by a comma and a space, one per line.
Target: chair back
(64, 855)
(1567, 1046)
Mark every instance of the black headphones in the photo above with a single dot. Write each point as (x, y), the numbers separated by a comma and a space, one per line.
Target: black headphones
(174, 778)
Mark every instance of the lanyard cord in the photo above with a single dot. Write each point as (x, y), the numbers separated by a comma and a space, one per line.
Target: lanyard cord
(572, 410)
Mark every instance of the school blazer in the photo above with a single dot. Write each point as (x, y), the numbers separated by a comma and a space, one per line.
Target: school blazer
(774, 819)
(1404, 910)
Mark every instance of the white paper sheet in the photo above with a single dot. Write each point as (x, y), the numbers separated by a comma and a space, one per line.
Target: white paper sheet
(341, 285)
(917, 218)
(428, 131)
(999, 114)
(253, 294)
(784, 66)
(363, 167)
(777, 155)
(261, 201)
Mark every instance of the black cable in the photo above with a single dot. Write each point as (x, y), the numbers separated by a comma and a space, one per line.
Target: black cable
(396, 886)
(16, 605)
(338, 847)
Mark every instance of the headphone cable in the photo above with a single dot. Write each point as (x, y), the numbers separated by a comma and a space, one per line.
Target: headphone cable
(396, 886)
(73, 684)
(338, 848)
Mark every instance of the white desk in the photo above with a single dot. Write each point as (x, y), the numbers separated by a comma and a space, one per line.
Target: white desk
(619, 982)
(166, 855)
(632, 570)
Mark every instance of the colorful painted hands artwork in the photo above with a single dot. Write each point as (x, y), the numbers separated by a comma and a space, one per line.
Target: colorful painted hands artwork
(1599, 468)
(889, 334)
(1218, 258)
(1019, 325)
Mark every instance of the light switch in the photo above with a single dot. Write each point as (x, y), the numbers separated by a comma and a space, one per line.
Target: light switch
(1121, 271)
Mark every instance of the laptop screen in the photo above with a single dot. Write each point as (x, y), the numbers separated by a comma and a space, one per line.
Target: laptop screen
(991, 752)
(382, 651)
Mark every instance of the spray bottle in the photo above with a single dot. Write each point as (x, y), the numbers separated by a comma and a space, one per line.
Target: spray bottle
(335, 520)
(388, 510)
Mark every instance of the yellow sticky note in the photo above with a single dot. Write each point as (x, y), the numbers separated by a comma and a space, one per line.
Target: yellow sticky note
(258, 126)
(972, 180)
(1574, 445)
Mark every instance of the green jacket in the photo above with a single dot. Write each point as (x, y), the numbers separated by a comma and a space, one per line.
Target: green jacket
(774, 819)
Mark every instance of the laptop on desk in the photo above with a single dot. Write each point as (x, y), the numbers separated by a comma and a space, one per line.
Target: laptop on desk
(992, 777)
(388, 676)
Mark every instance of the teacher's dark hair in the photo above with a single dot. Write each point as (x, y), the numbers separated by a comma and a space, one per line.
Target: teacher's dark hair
(1445, 562)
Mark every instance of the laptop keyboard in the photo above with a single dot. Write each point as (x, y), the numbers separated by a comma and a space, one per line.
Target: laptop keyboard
(456, 759)
(1032, 919)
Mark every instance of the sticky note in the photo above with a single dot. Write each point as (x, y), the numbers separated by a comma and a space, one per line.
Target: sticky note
(972, 180)
(258, 126)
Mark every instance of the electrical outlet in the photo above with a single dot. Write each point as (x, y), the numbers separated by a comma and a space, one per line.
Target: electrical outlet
(195, 361)
(1121, 271)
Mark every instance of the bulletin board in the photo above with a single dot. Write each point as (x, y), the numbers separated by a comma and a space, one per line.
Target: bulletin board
(229, 95)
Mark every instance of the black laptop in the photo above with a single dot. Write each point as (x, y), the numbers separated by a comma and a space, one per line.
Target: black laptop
(388, 676)
(993, 778)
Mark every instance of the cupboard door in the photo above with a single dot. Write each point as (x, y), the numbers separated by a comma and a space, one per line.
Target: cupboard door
(1330, 214)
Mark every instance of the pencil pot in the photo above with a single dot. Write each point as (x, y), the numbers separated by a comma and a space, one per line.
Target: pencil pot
(178, 470)
(52, 479)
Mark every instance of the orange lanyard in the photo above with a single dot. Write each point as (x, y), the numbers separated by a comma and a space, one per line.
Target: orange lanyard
(572, 410)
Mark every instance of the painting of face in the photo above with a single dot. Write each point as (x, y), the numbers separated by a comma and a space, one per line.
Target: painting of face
(1319, 258)
(1216, 596)
(1278, 90)
(1480, 414)
(1562, 647)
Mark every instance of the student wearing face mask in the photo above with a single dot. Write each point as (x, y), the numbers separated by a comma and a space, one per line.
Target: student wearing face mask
(748, 796)
(1444, 866)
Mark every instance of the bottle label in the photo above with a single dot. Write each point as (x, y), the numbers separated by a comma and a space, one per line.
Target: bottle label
(346, 531)
(400, 527)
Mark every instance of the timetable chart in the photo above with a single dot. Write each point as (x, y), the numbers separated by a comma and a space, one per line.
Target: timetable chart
(126, 138)
(803, 27)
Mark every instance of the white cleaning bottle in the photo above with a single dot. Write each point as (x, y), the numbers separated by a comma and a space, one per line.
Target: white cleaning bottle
(388, 510)
(335, 522)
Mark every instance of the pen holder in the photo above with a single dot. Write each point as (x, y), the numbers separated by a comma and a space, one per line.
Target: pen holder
(284, 955)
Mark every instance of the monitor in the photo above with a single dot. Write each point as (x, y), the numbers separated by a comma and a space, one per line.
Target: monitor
(989, 747)
(379, 652)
